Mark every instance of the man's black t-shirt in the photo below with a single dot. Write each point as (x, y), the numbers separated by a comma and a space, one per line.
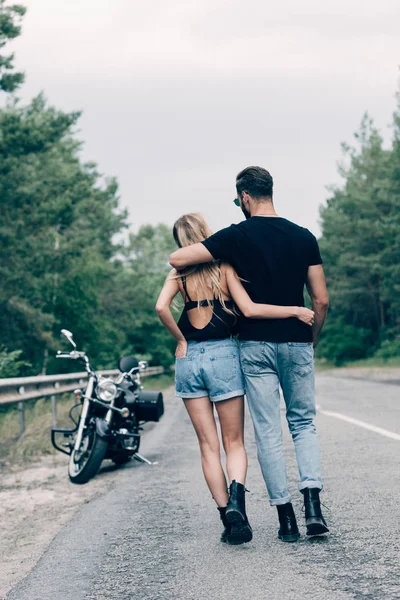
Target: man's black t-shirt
(271, 255)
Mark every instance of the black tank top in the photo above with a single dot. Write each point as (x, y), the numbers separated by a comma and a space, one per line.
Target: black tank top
(219, 327)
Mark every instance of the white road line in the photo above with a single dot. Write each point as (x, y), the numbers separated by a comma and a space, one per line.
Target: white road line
(363, 424)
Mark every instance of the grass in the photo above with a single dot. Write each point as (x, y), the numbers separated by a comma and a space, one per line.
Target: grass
(394, 361)
(369, 363)
(38, 422)
(158, 382)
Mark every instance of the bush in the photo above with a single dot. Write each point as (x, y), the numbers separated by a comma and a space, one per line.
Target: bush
(341, 342)
(10, 365)
(388, 349)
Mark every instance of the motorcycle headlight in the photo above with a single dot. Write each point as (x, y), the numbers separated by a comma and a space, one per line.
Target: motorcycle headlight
(106, 390)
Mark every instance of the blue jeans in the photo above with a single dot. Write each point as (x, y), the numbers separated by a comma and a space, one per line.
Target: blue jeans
(266, 366)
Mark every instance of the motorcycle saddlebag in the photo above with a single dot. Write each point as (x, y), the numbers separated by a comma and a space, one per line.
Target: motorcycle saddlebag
(149, 406)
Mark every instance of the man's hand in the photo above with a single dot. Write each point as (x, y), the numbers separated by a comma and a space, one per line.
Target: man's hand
(181, 349)
(190, 255)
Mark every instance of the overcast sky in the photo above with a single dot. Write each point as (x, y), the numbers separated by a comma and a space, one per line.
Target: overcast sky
(179, 95)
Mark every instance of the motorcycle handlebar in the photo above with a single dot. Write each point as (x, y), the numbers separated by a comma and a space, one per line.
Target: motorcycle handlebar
(74, 354)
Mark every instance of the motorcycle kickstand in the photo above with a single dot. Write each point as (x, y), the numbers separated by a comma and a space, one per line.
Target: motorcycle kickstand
(143, 459)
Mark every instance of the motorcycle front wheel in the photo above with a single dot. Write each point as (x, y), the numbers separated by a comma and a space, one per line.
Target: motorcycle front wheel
(84, 464)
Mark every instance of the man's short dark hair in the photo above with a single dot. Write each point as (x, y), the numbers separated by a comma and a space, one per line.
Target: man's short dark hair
(256, 181)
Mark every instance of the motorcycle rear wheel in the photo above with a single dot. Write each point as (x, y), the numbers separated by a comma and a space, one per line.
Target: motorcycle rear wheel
(84, 467)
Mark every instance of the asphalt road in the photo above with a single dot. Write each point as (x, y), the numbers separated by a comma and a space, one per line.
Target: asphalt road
(155, 535)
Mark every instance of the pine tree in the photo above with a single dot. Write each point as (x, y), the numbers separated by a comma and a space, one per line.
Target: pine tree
(355, 243)
(10, 28)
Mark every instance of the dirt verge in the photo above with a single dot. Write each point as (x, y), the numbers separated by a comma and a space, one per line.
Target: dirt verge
(35, 502)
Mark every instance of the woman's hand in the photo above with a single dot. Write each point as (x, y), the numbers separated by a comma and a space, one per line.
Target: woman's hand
(306, 315)
(181, 349)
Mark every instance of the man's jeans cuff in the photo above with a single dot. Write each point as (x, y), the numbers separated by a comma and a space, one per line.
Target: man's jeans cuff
(310, 484)
(280, 501)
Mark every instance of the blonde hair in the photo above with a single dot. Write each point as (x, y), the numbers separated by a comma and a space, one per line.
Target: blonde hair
(192, 229)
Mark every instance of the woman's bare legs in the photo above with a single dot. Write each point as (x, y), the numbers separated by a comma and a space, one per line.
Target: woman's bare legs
(201, 414)
(231, 418)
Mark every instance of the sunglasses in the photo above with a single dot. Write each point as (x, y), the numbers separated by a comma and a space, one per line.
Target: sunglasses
(236, 202)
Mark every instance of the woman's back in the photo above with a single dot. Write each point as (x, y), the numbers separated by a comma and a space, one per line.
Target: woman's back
(204, 316)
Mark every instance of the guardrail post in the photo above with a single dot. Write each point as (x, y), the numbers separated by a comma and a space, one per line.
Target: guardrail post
(54, 411)
(21, 418)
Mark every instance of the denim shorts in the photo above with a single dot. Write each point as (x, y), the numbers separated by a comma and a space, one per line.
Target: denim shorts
(210, 369)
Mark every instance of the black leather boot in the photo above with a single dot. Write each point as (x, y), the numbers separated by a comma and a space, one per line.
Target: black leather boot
(241, 531)
(315, 522)
(227, 526)
(288, 531)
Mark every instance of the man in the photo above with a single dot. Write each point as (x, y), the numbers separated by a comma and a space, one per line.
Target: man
(275, 259)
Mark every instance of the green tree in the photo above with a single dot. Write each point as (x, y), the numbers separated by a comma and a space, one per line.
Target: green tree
(140, 283)
(391, 256)
(60, 263)
(127, 310)
(57, 229)
(10, 28)
(360, 227)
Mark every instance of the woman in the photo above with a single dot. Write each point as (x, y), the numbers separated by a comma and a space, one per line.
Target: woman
(208, 369)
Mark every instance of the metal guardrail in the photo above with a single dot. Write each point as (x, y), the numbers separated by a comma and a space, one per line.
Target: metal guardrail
(18, 390)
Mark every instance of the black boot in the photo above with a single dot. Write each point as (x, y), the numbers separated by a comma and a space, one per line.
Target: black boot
(241, 531)
(227, 526)
(288, 531)
(315, 522)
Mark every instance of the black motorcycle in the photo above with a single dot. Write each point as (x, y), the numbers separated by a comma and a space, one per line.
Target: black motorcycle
(107, 416)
